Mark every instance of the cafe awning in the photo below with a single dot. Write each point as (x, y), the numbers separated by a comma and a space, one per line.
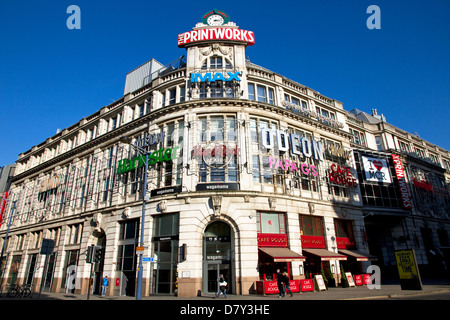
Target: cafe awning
(325, 255)
(282, 254)
(357, 255)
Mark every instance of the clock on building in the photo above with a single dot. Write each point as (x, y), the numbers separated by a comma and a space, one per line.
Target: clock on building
(215, 18)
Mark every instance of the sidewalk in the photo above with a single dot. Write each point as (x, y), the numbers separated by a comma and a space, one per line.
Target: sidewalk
(354, 293)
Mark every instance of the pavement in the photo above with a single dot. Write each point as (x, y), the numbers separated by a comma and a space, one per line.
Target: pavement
(386, 291)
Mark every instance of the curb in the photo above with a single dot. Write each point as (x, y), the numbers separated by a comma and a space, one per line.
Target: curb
(398, 295)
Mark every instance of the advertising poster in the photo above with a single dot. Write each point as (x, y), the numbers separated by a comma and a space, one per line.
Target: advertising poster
(408, 270)
(376, 169)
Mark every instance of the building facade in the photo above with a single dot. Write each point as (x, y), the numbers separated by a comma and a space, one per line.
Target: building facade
(247, 172)
(406, 209)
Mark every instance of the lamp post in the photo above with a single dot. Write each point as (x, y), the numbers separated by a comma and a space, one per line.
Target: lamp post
(127, 140)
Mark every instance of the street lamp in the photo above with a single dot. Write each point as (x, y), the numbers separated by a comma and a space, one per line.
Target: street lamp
(127, 140)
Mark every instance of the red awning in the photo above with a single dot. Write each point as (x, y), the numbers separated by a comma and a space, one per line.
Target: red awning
(355, 254)
(282, 254)
(325, 255)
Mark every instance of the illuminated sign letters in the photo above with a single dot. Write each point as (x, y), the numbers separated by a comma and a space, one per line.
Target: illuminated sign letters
(280, 140)
(222, 33)
(218, 76)
(160, 155)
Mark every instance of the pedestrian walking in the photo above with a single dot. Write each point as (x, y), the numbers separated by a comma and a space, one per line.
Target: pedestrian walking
(280, 283)
(222, 286)
(287, 285)
(104, 285)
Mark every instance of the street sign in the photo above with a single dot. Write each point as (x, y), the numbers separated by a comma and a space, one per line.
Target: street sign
(148, 259)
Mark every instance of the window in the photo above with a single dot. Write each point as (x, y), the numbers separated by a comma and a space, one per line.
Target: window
(420, 153)
(35, 239)
(172, 96)
(379, 143)
(74, 234)
(404, 146)
(344, 228)
(19, 241)
(311, 226)
(358, 137)
(251, 91)
(376, 194)
(270, 222)
(129, 229)
(263, 93)
(182, 93)
(215, 63)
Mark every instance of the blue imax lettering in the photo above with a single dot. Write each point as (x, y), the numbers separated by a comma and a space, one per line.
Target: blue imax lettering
(218, 76)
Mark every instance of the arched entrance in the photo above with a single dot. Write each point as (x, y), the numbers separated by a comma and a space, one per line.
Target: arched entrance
(218, 256)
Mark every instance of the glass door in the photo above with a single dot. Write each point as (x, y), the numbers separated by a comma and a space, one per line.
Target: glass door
(215, 270)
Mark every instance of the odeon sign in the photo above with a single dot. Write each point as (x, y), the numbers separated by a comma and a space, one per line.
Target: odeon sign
(296, 144)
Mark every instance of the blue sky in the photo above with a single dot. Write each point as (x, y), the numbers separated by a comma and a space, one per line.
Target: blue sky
(51, 77)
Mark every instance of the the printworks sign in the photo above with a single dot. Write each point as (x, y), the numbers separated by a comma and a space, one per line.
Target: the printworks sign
(158, 156)
(216, 20)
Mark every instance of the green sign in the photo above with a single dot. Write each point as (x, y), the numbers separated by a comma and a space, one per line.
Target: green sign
(161, 155)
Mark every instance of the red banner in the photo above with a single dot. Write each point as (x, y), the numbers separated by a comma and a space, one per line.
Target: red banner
(3, 205)
(402, 182)
(313, 242)
(345, 243)
(358, 279)
(271, 287)
(272, 240)
(306, 285)
(367, 279)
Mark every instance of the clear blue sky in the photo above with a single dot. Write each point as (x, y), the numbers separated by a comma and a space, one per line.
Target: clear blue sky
(51, 77)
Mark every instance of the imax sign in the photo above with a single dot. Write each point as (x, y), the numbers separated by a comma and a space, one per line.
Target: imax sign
(218, 76)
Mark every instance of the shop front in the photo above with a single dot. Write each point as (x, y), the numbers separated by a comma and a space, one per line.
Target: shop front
(319, 260)
(273, 253)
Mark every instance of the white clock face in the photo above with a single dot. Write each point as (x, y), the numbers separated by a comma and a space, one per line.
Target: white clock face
(215, 20)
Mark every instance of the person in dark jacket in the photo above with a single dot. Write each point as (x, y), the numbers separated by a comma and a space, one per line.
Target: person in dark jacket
(287, 285)
(280, 282)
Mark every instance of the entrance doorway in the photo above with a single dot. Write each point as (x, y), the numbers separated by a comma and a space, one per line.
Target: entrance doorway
(214, 272)
(218, 257)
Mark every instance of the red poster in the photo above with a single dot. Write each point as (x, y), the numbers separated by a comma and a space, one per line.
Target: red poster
(117, 282)
(271, 287)
(358, 279)
(367, 279)
(306, 285)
